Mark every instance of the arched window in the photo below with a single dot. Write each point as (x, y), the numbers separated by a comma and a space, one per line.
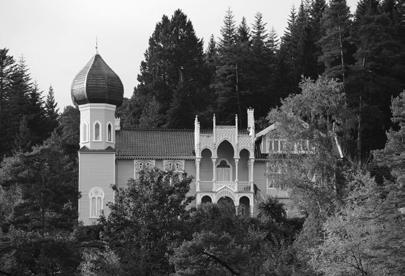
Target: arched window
(84, 132)
(109, 132)
(96, 196)
(224, 172)
(97, 131)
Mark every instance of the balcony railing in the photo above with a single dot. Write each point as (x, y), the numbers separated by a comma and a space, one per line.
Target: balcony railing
(210, 186)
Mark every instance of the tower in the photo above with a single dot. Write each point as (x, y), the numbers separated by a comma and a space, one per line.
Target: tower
(97, 91)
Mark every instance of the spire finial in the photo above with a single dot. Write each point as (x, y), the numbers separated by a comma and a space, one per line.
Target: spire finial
(96, 45)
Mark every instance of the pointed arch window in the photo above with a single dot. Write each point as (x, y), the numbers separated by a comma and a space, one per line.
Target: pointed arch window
(109, 132)
(97, 131)
(84, 132)
(96, 196)
(224, 171)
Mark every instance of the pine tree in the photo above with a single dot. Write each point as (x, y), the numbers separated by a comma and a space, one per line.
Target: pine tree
(304, 48)
(273, 41)
(336, 54)
(243, 32)
(7, 69)
(22, 142)
(36, 115)
(227, 101)
(260, 34)
(316, 10)
(51, 111)
(211, 53)
(228, 33)
(174, 55)
(373, 79)
(262, 69)
(287, 81)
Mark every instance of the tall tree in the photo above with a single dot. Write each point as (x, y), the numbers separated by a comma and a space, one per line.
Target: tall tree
(227, 97)
(373, 78)
(40, 220)
(315, 12)
(336, 54)
(287, 81)
(51, 110)
(315, 188)
(174, 56)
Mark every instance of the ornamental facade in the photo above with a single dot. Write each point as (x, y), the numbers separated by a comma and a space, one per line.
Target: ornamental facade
(228, 162)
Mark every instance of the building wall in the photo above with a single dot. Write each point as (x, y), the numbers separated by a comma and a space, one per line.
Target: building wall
(125, 171)
(95, 170)
(259, 176)
(189, 168)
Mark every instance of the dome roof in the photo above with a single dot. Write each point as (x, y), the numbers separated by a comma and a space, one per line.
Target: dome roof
(97, 83)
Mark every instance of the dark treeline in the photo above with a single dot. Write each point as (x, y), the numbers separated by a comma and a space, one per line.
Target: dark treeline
(249, 66)
(338, 72)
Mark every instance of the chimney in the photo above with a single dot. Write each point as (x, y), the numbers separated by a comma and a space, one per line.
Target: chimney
(251, 122)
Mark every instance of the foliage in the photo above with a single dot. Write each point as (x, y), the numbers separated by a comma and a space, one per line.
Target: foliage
(174, 59)
(146, 221)
(336, 54)
(22, 111)
(39, 197)
(365, 237)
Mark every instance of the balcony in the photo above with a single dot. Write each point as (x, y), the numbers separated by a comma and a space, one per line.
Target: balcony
(210, 186)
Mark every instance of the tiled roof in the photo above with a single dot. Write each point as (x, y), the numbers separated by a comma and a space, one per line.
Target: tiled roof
(159, 143)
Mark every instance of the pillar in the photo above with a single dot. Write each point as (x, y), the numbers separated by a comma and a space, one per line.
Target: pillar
(197, 173)
(251, 164)
(236, 170)
(214, 174)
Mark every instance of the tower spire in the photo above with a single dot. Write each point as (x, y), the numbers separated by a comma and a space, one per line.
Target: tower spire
(96, 45)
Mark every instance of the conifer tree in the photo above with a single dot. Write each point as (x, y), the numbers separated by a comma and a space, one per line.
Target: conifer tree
(227, 102)
(273, 41)
(373, 79)
(243, 32)
(316, 10)
(22, 142)
(287, 81)
(7, 69)
(336, 54)
(51, 110)
(174, 55)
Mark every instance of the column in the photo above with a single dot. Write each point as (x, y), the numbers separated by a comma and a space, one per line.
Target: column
(236, 172)
(214, 174)
(251, 164)
(197, 173)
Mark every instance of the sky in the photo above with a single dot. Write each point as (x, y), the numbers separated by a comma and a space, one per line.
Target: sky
(57, 38)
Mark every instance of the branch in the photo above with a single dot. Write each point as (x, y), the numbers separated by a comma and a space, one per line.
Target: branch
(5, 273)
(224, 264)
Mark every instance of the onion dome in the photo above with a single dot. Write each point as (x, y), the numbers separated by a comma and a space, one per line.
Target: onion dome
(97, 83)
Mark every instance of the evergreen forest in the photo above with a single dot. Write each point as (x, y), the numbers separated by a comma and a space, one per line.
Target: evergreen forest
(339, 73)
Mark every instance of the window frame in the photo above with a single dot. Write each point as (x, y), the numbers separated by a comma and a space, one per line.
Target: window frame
(94, 131)
(109, 124)
(96, 193)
